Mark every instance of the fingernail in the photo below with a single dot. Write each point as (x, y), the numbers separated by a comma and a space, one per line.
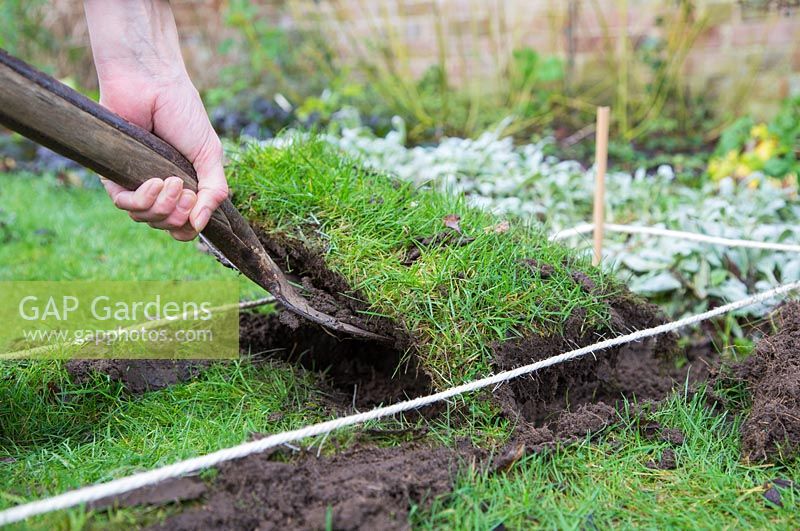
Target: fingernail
(174, 186)
(152, 184)
(202, 219)
(186, 200)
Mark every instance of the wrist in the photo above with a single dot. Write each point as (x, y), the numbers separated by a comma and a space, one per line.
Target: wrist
(134, 38)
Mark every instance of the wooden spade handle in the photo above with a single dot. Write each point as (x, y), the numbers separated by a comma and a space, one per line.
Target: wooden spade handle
(67, 122)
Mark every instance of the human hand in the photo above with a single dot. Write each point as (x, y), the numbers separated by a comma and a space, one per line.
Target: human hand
(143, 79)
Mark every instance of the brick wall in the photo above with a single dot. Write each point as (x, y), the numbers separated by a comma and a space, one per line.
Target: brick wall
(748, 50)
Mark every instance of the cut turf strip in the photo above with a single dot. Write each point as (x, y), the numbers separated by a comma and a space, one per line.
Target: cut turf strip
(458, 311)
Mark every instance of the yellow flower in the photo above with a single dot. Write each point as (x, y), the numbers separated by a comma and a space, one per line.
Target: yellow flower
(721, 167)
(766, 149)
(760, 131)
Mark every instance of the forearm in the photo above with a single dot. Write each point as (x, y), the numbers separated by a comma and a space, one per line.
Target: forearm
(143, 79)
(134, 36)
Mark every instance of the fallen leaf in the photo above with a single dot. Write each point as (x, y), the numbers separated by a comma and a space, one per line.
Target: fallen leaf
(500, 228)
(773, 496)
(451, 222)
(509, 456)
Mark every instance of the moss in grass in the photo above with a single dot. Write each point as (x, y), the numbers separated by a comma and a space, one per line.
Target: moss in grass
(456, 291)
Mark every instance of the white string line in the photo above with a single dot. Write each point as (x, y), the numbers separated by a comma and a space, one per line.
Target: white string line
(585, 228)
(107, 335)
(141, 479)
(245, 305)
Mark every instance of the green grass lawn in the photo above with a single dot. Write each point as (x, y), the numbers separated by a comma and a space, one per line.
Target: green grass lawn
(55, 435)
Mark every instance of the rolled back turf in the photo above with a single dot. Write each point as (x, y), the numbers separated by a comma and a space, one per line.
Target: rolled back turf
(460, 290)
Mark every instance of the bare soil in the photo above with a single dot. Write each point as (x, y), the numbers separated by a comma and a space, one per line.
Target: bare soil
(360, 374)
(552, 403)
(359, 488)
(772, 375)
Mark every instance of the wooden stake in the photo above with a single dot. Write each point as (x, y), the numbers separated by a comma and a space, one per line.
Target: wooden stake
(601, 162)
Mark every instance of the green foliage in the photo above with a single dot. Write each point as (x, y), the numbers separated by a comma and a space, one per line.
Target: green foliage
(786, 129)
(533, 93)
(433, 107)
(734, 136)
(770, 148)
(655, 113)
(24, 33)
(659, 102)
(332, 100)
(21, 32)
(529, 69)
(301, 66)
(295, 63)
(656, 118)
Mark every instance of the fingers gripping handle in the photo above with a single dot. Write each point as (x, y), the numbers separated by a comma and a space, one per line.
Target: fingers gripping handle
(59, 118)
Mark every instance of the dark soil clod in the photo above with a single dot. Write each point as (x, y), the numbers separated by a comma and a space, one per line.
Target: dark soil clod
(673, 436)
(784, 483)
(568, 427)
(636, 370)
(666, 462)
(772, 374)
(175, 490)
(545, 270)
(138, 376)
(653, 431)
(583, 280)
